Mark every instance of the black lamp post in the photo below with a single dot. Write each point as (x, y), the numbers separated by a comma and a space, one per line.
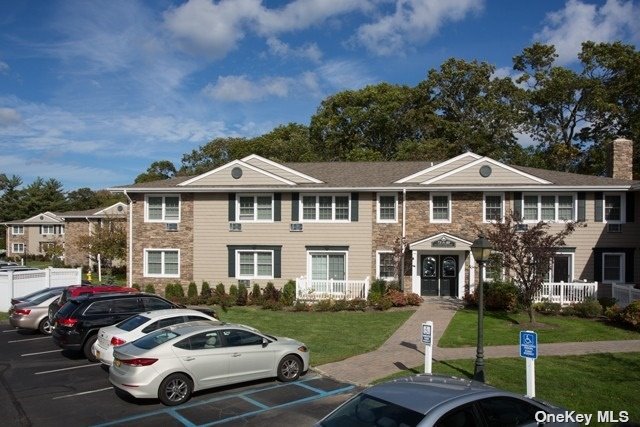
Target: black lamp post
(481, 249)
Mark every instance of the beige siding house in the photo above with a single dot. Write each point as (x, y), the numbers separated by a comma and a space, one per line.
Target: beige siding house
(257, 221)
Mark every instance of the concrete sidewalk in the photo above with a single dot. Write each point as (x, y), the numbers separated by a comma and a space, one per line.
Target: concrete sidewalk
(404, 349)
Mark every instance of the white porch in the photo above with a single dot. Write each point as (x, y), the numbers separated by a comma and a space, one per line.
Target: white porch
(566, 293)
(315, 290)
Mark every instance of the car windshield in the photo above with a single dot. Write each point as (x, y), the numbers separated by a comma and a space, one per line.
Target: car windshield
(132, 322)
(365, 410)
(43, 297)
(154, 339)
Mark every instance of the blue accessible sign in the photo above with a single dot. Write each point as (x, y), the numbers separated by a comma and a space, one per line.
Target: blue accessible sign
(528, 344)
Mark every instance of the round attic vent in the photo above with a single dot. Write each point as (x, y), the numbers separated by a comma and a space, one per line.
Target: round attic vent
(485, 171)
(236, 173)
(41, 217)
(120, 208)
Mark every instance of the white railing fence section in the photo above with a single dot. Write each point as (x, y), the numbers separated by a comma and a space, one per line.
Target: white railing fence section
(315, 290)
(19, 283)
(625, 294)
(567, 293)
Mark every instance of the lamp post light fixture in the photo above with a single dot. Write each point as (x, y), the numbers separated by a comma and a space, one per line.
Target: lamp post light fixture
(481, 250)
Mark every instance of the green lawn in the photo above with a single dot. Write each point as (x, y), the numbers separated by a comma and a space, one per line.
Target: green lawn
(586, 384)
(502, 328)
(329, 336)
(4, 315)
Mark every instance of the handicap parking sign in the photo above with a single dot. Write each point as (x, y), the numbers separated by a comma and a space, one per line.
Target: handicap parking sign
(528, 344)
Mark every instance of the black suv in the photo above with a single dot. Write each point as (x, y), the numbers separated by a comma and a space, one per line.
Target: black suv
(77, 322)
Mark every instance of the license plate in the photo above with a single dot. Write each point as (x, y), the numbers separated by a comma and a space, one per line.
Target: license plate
(117, 363)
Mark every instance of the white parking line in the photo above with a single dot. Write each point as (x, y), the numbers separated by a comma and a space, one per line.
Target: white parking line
(30, 339)
(40, 352)
(84, 392)
(66, 369)
(10, 330)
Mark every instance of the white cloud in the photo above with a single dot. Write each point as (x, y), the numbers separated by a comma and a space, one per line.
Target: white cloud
(578, 22)
(4, 67)
(172, 129)
(241, 89)
(309, 51)
(413, 21)
(344, 75)
(9, 117)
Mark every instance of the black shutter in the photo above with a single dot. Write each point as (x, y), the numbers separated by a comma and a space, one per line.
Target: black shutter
(598, 207)
(232, 261)
(277, 262)
(354, 206)
(597, 265)
(631, 207)
(517, 205)
(628, 266)
(295, 206)
(277, 206)
(582, 209)
(232, 207)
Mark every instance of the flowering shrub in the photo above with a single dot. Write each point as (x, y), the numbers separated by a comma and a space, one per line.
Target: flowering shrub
(397, 298)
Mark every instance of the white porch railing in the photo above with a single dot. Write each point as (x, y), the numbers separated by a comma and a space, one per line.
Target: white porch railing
(625, 294)
(315, 290)
(566, 293)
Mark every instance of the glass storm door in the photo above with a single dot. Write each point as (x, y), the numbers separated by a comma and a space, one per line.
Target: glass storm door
(428, 275)
(439, 275)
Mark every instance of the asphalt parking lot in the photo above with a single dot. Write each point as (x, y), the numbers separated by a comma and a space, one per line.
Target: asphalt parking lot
(42, 385)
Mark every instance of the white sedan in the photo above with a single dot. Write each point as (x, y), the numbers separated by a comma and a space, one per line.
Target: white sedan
(139, 325)
(173, 362)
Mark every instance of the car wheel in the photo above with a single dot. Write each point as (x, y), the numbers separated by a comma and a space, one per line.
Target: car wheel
(175, 389)
(289, 368)
(86, 348)
(45, 326)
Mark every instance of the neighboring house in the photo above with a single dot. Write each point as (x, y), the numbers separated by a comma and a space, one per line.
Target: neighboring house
(256, 221)
(32, 236)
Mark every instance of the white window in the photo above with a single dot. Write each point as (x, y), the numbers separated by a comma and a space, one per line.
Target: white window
(493, 207)
(494, 268)
(162, 208)
(613, 267)
(17, 248)
(440, 207)
(387, 208)
(326, 207)
(254, 207)
(17, 229)
(162, 263)
(47, 229)
(548, 207)
(327, 265)
(254, 264)
(386, 266)
(613, 208)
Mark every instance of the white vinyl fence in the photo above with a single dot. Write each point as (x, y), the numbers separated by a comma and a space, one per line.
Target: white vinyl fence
(19, 283)
(315, 290)
(625, 294)
(567, 293)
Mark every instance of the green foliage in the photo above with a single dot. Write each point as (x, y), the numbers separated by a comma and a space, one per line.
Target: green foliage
(243, 297)
(607, 302)
(357, 304)
(158, 170)
(383, 303)
(270, 293)
(547, 307)
(233, 294)
(323, 305)
(630, 315)
(136, 286)
(256, 295)
(270, 304)
(205, 290)
(588, 308)
(221, 291)
(288, 295)
(192, 291)
(301, 306)
(174, 292)
(377, 290)
(340, 305)
(500, 295)
(150, 289)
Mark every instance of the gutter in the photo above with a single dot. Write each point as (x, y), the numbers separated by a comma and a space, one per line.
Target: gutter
(130, 242)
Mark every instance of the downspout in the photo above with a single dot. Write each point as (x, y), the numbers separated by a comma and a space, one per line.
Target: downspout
(404, 235)
(89, 230)
(130, 243)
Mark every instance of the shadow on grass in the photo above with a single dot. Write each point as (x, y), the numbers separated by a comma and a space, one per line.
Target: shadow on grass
(502, 315)
(463, 372)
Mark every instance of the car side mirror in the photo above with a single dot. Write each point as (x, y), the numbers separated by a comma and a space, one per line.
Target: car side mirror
(265, 342)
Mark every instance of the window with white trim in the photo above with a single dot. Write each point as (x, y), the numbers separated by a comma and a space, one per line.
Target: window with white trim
(17, 230)
(326, 207)
(47, 230)
(440, 207)
(613, 208)
(255, 207)
(494, 269)
(17, 248)
(493, 207)
(613, 267)
(162, 263)
(328, 265)
(254, 264)
(386, 265)
(548, 207)
(387, 208)
(162, 208)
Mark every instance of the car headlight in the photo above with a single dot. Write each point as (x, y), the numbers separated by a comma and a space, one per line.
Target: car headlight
(303, 349)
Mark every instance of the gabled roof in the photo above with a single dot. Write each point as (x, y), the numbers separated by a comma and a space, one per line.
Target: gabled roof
(473, 171)
(48, 218)
(44, 218)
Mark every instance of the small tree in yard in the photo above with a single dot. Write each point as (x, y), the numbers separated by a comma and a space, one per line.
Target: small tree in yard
(527, 253)
(108, 238)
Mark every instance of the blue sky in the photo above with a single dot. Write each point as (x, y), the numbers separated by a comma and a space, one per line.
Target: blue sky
(92, 92)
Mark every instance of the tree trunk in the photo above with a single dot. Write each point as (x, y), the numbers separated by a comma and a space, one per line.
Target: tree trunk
(531, 313)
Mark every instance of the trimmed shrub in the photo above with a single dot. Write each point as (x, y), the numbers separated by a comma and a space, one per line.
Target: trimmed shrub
(606, 302)
(233, 294)
(630, 315)
(393, 284)
(384, 303)
(150, 289)
(174, 292)
(413, 299)
(500, 295)
(470, 299)
(288, 295)
(340, 305)
(270, 293)
(547, 307)
(378, 287)
(192, 292)
(256, 295)
(242, 296)
(301, 306)
(357, 304)
(272, 305)
(323, 305)
(205, 290)
(589, 308)
(397, 298)
(136, 286)
(613, 313)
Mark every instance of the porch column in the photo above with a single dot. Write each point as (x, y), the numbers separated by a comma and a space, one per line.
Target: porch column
(415, 278)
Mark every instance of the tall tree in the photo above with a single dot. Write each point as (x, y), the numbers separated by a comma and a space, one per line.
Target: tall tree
(41, 196)
(157, 171)
(82, 199)
(10, 207)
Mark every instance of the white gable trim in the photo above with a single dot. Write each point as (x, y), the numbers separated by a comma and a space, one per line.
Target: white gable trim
(49, 216)
(109, 207)
(280, 166)
(437, 237)
(488, 160)
(236, 163)
(438, 166)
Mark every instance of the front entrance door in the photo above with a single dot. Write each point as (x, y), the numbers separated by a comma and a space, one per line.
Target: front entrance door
(439, 275)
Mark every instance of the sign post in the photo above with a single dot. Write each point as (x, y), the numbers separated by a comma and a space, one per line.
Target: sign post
(427, 339)
(529, 350)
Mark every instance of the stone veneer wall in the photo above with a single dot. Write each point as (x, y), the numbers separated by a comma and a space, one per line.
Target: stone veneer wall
(154, 235)
(73, 229)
